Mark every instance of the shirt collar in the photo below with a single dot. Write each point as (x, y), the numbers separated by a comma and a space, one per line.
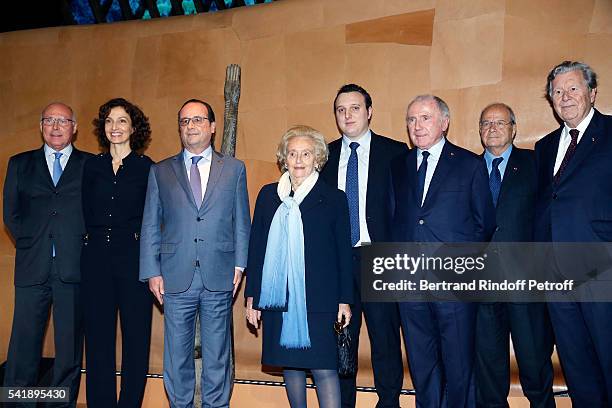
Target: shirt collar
(206, 155)
(582, 126)
(435, 151)
(490, 156)
(363, 140)
(66, 151)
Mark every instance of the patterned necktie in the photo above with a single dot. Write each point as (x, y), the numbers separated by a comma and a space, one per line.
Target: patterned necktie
(421, 173)
(571, 149)
(495, 179)
(195, 180)
(352, 192)
(57, 168)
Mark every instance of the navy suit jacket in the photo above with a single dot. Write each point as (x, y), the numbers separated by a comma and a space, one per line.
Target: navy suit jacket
(40, 215)
(327, 246)
(382, 151)
(578, 208)
(458, 206)
(515, 206)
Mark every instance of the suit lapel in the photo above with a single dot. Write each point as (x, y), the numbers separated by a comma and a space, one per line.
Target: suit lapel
(589, 140)
(374, 176)
(513, 169)
(216, 166)
(72, 166)
(178, 165)
(42, 168)
(445, 164)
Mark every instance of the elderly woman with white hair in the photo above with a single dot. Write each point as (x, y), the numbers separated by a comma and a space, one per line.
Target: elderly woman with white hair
(299, 269)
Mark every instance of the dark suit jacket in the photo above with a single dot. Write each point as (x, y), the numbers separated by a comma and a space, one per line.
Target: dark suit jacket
(578, 208)
(458, 206)
(40, 215)
(515, 206)
(382, 151)
(327, 246)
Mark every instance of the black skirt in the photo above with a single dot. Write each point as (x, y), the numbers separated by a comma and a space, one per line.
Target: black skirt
(322, 353)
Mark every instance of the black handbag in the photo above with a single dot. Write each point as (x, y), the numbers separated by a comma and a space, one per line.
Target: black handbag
(347, 360)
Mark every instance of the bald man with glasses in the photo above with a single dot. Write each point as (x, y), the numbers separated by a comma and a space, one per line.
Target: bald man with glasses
(42, 212)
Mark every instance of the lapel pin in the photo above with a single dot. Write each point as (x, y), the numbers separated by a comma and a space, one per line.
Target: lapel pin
(452, 153)
(515, 168)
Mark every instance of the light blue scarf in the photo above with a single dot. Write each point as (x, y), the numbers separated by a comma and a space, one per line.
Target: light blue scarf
(284, 265)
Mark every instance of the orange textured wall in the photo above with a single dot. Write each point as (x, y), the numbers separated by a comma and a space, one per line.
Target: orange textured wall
(294, 55)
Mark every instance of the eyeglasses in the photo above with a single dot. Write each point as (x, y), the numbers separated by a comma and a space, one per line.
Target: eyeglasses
(486, 124)
(196, 120)
(60, 121)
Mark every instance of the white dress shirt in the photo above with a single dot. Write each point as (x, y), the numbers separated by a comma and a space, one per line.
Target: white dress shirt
(363, 160)
(203, 166)
(50, 157)
(435, 152)
(566, 139)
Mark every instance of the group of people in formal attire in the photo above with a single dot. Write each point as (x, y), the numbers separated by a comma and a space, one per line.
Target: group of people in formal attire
(102, 237)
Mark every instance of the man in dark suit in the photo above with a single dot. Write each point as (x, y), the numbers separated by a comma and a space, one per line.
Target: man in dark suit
(574, 204)
(512, 180)
(359, 164)
(193, 250)
(440, 193)
(42, 211)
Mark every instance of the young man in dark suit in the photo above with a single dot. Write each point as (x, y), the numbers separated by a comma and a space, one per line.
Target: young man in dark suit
(440, 194)
(43, 213)
(574, 204)
(512, 180)
(359, 164)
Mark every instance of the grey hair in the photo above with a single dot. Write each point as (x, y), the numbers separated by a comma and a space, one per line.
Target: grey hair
(442, 106)
(72, 116)
(503, 105)
(590, 77)
(321, 152)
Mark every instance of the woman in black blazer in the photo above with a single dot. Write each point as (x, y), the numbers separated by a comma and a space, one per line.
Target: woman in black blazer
(299, 269)
(114, 188)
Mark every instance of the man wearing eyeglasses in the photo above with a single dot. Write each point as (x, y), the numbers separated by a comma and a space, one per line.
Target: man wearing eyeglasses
(193, 250)
(512, 181)
(42, 211)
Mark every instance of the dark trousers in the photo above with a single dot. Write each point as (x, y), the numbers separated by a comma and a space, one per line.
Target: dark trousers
(107, 290)
(583, 332)
(532, 338)
(439, 339)
(30, 318)
(383, 324)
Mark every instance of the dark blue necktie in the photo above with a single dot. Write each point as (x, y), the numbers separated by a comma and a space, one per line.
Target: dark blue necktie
(495, 179)
(421, 173)
(352, 191)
